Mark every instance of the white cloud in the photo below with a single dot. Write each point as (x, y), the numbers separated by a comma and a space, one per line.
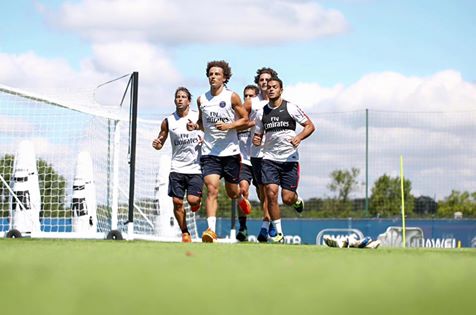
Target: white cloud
(157, 75)
(29, 69)
(428, 120)
(55, 77)
(206, 21)
(443, 91)
(124, 57)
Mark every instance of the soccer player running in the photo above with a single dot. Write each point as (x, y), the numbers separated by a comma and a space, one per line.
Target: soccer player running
(280, 165)
(246, 173)
(256, 152)
(220, 114)
(185, 173)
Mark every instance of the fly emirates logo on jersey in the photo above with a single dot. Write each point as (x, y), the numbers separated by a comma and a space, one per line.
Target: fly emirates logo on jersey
(215, 117)
(185, 139)
(276, 124)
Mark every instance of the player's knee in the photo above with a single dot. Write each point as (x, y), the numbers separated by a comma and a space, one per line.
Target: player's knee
(289, 198)
(212, 190)
(233, 190)
(272, 194)
(193, 200)
(244, 193)
(234, 194)
(178, 202)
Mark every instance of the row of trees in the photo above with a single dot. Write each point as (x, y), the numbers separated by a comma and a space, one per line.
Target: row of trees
(52, 188)
(386, 199)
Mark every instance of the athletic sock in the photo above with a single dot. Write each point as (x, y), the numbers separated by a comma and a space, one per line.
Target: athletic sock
(212, 222)
(265, 225)
(242, 221)
(277, 225)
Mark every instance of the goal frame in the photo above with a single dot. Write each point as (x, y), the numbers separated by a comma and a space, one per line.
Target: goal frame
(118, 120)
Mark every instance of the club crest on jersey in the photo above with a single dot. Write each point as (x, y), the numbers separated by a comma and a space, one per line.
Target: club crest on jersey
(222, 104)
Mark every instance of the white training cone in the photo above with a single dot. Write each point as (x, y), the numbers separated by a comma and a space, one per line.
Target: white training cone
(166, 225)
(25, 206)
(84, 205)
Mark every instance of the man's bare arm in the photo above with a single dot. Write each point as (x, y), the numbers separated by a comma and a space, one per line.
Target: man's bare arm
(158, 143)
(239, 110)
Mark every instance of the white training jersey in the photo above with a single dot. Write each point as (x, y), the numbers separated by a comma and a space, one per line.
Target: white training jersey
(218, 108)
(257, 103)
(279, 126)
(244, 138)
(185, 144)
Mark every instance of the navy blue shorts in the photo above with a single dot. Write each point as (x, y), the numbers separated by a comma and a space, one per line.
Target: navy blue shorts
(179, 183)
(246, 173)
(285, 174)
(257, 177)
(227, 167)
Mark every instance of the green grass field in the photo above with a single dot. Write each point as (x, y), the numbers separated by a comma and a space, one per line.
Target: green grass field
(119, 277)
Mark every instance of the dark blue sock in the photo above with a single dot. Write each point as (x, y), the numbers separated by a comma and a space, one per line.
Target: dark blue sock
(242, 221)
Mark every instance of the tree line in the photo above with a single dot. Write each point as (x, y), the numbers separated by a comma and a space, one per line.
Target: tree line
(386, 200)
(52, 187)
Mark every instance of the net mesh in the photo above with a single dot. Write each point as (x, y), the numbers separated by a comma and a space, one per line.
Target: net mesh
(54, 139)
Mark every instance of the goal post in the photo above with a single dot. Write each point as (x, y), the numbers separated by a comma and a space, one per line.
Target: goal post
(132, 162)
(86, 168)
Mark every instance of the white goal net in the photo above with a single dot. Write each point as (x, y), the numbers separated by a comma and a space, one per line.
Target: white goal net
(65, 165)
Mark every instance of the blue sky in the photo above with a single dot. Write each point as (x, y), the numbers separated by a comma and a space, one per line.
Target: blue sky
(414, 38)
(25, 29)
(333, 56)
(409, 37)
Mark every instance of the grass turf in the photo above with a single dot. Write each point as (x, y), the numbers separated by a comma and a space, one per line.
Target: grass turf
(114, 277)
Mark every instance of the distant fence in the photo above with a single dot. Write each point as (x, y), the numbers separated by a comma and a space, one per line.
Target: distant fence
(439, 150)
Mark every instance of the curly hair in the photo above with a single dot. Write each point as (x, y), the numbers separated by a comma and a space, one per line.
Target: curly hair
(269, 71)
(220, 64)
(185, 90)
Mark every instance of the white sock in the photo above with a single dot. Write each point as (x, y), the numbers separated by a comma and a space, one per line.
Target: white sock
(277, 225)
(265, 225)
(212, 223)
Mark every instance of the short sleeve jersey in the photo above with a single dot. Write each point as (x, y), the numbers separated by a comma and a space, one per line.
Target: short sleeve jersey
(247, 149)
(218, 108)
(279, 127)
(257, 104)
(244, 138)
(185, 144)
